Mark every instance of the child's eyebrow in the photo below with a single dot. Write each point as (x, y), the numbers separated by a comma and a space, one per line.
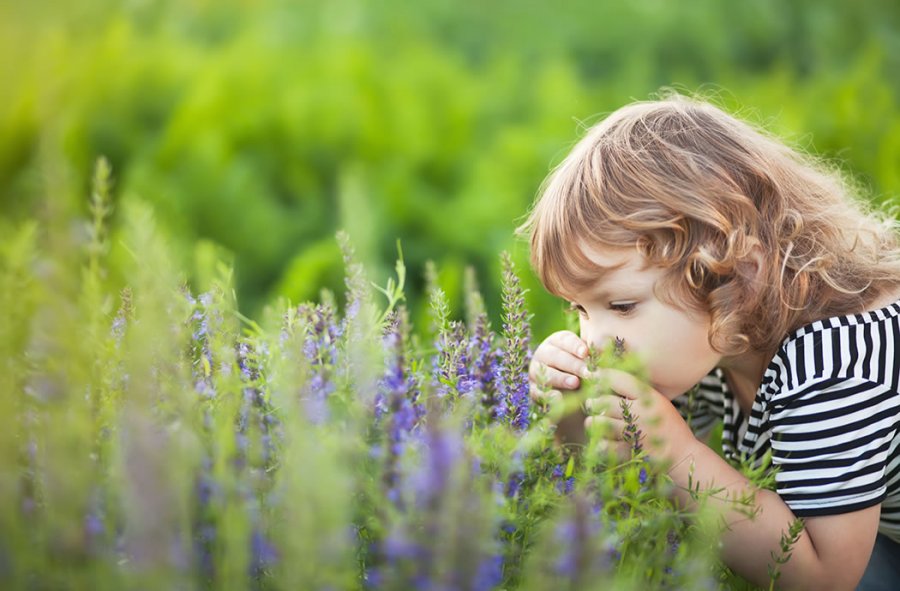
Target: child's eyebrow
(598, 283)
(614, 279)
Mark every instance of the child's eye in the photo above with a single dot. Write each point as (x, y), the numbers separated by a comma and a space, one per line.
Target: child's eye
(623, 308)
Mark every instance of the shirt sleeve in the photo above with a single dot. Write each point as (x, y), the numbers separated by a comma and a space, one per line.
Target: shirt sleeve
(830, 443)
(704, 406)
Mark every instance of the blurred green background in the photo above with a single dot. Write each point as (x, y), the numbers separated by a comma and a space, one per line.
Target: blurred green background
(257, 128)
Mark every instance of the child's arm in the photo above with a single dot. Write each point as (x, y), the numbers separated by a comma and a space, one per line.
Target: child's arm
(832, 552)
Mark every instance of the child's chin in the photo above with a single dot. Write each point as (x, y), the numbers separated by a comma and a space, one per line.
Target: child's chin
(669, 391)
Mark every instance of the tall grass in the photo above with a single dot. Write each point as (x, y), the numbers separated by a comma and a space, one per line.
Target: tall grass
(155, 438)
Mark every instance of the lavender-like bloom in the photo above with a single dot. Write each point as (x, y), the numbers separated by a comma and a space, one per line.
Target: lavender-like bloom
(322, 334)
(355, 278)
(407, 559)
(94, 523)
(262, 553)
(441, 540)
(489, 574)
(254, 403)
(515, 401)
(577, 537)
(443, 449)
(202, 364)
(452, 374)
(120, 322)
(632, 435)
(516, 476)
(563, 485)
(443, 364)
(466, 381)
(397, 400)
(674, 541)
(204, 527)
(484, 361)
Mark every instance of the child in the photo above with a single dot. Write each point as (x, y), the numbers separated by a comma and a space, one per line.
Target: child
(728, 261)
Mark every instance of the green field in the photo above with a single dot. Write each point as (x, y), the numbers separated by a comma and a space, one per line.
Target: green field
(198, 386)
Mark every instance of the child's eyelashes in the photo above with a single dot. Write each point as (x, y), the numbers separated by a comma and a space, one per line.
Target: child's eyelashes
(623, 308)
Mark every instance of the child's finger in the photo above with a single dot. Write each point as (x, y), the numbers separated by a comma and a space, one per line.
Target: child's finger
(606, 406)
(622, 383)
(544, 396)
(608, 446)
(551, 377)
(552, 356)
(570, 342)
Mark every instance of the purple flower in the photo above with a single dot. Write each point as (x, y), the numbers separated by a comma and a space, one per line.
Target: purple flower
(354, 279)
(398, 546)
(632, 435)
(485, 361)
(578, 538)
(673, 542)
(262, 553)
(120, 322)
(451, 365)
(202, 359)
(512, 382)
(204, 538)
(563, 485)
(443, 450)
(489, 574)
(514, 483)
(396, 402)
(320, 347)
(254, 406)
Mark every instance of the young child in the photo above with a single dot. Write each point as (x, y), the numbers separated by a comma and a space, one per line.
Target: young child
(728, 261)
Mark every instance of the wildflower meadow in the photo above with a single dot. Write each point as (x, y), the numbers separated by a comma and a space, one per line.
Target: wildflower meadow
(156, 438)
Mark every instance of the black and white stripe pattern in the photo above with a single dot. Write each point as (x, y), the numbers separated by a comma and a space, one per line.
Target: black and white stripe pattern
(829, 410)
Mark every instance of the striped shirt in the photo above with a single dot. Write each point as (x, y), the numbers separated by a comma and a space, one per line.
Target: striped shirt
(828, 408)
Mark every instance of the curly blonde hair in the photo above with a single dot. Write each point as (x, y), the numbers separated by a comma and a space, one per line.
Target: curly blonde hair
(704, 194)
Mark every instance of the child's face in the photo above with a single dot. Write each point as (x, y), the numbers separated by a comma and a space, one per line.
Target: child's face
(673, 343)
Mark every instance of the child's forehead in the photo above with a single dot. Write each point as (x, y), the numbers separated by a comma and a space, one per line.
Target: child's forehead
(589, 265)
(610, 258)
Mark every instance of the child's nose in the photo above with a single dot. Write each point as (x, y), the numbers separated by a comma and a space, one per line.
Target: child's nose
(596, 334)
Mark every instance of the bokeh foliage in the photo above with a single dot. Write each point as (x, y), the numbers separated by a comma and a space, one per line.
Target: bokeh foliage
(257, 128)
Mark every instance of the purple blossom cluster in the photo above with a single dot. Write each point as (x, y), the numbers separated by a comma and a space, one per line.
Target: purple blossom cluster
(582, 556)
(485, 362)
(201, 353)
(397, 403)
(415, 553)
(564, 484)
(321, 338)
(453, 478)
(453, 371)
(632, 434)
(512, 378)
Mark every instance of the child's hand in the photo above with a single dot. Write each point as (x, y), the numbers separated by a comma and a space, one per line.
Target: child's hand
(558, 364)
(661, 429)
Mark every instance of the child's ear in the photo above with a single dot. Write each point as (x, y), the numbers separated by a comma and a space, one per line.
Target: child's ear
(752, 268)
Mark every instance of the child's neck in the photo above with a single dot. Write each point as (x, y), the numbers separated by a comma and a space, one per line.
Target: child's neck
(744, 374)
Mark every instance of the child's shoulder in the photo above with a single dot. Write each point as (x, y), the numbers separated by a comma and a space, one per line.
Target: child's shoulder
(882, 310)
(853, 347)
